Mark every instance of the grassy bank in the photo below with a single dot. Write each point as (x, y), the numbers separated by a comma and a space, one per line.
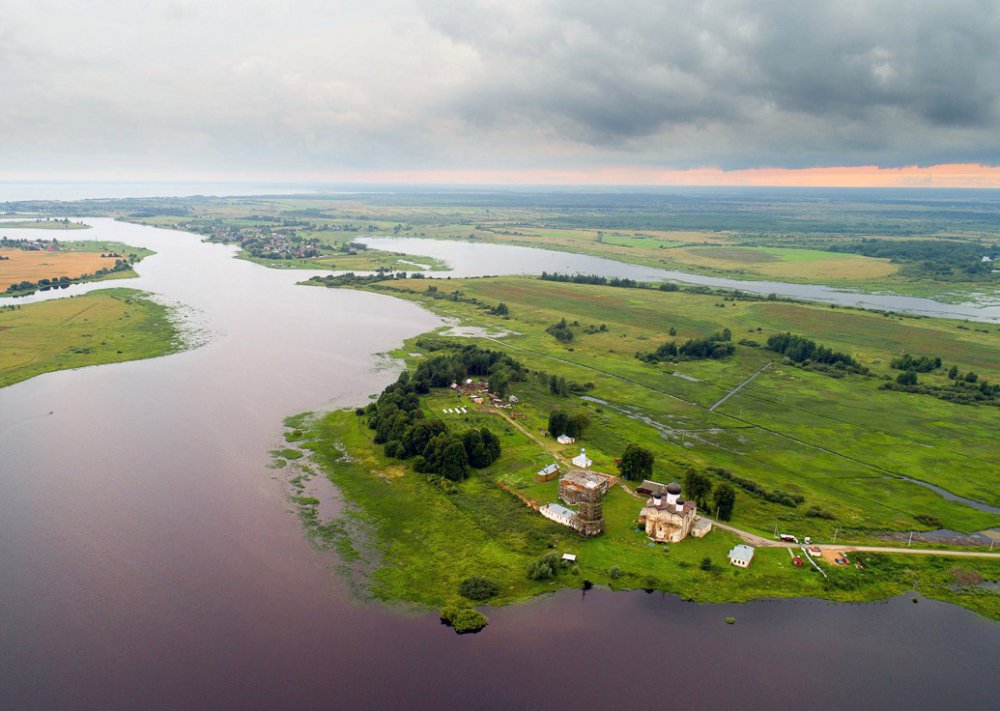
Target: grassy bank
(841, 443)
(370, 260)
(42, 224)
(106, 326)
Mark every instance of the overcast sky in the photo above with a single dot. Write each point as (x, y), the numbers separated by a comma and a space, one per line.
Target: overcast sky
(314, 88)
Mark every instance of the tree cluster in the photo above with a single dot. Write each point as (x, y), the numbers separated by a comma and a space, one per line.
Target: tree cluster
(595, 280)
(922, 364)
(636, 463)
(401, 426)
(561, 331)
(801, 350)
(717, 346)
(564, 423)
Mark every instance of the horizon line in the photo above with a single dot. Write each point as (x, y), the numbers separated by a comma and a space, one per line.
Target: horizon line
(942, 176)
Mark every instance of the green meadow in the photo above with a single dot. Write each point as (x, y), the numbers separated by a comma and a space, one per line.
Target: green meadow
(842, 444)
(106, 326)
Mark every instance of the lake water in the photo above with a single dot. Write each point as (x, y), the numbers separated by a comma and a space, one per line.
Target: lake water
(148, 558)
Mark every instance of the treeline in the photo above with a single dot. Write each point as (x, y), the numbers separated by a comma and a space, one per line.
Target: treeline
(717, 346)
(557, 384)
(939, 259)
(807, 353)
(965, 389)
(401, 426)
(594, 279)
(352, 279)
(775, 496)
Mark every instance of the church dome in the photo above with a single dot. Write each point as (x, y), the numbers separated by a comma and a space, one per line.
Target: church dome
(674, 488)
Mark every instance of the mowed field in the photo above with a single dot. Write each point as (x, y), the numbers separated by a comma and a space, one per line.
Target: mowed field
(783, 263)
(22, 265)
(106, 326)
(842, 443)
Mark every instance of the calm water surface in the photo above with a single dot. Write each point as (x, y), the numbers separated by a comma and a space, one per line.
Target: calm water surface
(148, 558)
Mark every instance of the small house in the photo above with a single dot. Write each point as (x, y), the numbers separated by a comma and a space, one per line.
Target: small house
(548, 473)
(701, 527)
(569, 557)
(565, 439)
(741, 555)
(559, 514)
(581, 461)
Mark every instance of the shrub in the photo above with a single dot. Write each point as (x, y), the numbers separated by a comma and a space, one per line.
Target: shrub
(928, 520)
(478, 589)
(817, 512)
(545, 568)
(463, 619)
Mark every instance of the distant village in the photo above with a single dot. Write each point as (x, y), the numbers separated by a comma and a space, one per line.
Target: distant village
(277, 240)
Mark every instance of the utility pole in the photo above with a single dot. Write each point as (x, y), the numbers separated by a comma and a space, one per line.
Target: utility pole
(910, 541)
(835, 536)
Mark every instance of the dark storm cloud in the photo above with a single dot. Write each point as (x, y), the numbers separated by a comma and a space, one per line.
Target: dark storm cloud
(309, 85)
(785, 83)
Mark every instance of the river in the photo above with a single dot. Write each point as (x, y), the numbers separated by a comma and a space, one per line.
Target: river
(468, 259)
(149, 558)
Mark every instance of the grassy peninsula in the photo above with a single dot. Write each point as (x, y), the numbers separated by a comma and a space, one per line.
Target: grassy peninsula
(27, 266)
(106, 326)
(811, 448)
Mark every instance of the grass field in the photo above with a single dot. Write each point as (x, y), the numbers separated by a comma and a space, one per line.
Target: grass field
(839, 443)
(416, 543)
(72, 260)
(786, 264)
(106, 326)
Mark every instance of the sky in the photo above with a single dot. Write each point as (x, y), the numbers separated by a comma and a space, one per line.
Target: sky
(887, 93)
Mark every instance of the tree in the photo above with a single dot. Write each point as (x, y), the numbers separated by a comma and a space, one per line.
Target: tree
(953, 372)
(636, 463)
(475, 450)
(491, 442)
(557, 422)
(907, 377)
(454, 461)
(725, 501)
(697, 487)
(576, 424)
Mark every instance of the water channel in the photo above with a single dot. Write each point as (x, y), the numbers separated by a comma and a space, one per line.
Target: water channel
(148, 558)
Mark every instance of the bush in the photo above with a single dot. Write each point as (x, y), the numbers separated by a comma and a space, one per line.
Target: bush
(463, 619)
(928, 520)
(545, 568)
(817, 512)
(478, 589)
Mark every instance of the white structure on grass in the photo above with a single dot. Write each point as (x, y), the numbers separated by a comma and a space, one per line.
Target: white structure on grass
(581, 461)
(741, 555)
(559, 514)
